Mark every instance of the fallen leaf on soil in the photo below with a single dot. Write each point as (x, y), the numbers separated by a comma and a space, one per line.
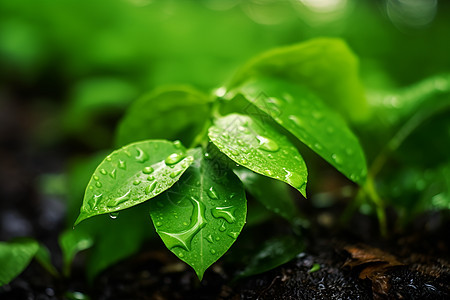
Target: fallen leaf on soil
(373, 264)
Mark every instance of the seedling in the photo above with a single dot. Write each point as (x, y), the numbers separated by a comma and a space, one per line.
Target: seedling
(197, 202)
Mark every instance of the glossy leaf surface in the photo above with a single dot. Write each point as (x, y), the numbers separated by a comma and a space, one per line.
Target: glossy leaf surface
(326, 66)
(273, 194)
(15, 257)
(72, 242)
(260, 148)
(303, 114)
(201, 216)
(132, 175)
(167, 113)
(273, 253)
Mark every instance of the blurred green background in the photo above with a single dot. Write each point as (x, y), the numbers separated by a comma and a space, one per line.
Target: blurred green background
(86, 60)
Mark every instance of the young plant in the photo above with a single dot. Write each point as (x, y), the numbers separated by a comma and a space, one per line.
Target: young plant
(250, 127)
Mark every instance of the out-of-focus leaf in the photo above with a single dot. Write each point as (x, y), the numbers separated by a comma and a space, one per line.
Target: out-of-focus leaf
(132, 175)
(304, 115)
(275, 252)
(273, 194)
(94, 98)
(43, 257)
(260, 148)
(176, 112)
(72, 242)
(15, 257)
(201, 216)
(326, 66)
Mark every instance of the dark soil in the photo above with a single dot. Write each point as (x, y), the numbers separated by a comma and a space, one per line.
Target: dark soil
(355, 263)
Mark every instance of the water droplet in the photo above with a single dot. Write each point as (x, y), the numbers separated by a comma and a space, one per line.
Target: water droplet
(98, 184)
(270, 156)
(180, 254)
(234, 152)
(141, 156)
(113, 215)
(296, 120)
(224, 213)
(217, 238)
(234, 235)
(212, 193)
(113, 174)
(147, 170)
(207, 155)
(127, 152)
(337, 159)
(212, 251)
(209, 238)
(222, 227)
(177, 144)
(136, 182)
(268, 172)
(240, 143)
(184, 238)
(116, 201)
(95, 200)
(151, 178)
(150, 188)
(176, 173)
(103, 172)
(294, 179)
(108, 158)
(318, 146)
(91, 188)
(96, 177)
(267, 144)
(174, 158)
(122, 165)
(158, 224)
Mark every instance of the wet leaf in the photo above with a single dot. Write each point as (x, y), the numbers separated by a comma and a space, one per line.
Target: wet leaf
(176, 112)
(275, 252)
(201, 216)
(273, 194)
(132, 175)
(72, 242)
(260, 148)
(304, 115)
(15, 257)
(326, 66)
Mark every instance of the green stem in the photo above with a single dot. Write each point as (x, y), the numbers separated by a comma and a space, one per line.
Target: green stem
(369, 189)
(202, 137)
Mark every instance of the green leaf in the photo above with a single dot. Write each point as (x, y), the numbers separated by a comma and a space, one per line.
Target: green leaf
(43, 258)
(15, 257)
(201, 216)
(273, 194)
(72, 242)
(132, 175)
(275, 252)
(304, 115)
(326, 66)
(176, 112)
(260, 148)
(394, 107)
(125, 235)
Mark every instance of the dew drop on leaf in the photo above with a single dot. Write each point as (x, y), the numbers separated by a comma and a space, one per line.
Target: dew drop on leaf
(96, 177)
(136, 182)
(267, 144)
(122, 165)
(175, 173)
(212, 193)
(173, 159)
(98, 184)
(103, 172)
(142, 156)
(225, 213)
(337, 159)
(234, 235)
(150, 188)
(184, 238)
(147, 170)
(113, 215)
(222, 227)
(113, 174)
(212, 251)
